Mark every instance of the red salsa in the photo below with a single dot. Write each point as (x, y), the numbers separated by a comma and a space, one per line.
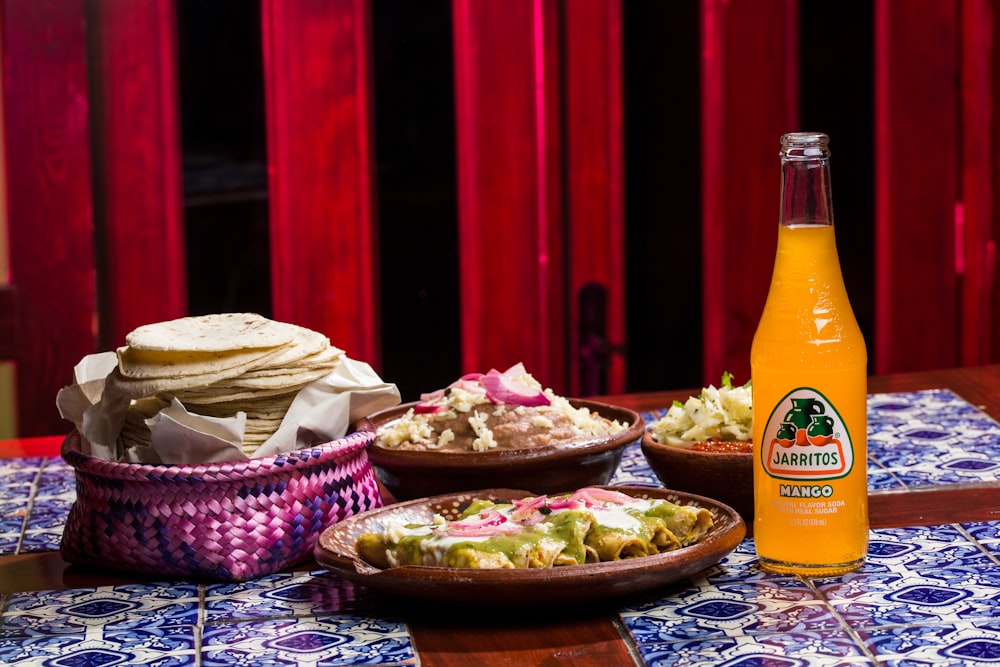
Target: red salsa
(724, 446)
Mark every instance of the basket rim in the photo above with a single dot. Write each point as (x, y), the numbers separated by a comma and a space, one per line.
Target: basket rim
(348, 444)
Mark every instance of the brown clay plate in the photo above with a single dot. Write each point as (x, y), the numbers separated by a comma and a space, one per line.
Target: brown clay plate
(567, 584)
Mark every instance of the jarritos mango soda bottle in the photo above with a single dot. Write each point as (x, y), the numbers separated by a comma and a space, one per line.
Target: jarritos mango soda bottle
(809, 371)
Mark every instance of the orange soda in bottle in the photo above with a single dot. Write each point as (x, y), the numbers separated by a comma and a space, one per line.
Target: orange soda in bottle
(809, 371)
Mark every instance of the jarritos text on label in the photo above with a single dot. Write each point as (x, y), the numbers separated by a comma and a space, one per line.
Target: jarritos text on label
(805, 439)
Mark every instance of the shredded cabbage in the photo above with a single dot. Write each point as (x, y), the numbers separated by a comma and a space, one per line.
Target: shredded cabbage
(723, 413)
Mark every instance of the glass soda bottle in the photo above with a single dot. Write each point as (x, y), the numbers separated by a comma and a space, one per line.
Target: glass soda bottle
(809, 369)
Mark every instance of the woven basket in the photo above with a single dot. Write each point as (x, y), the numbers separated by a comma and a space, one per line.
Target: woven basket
(221, 521)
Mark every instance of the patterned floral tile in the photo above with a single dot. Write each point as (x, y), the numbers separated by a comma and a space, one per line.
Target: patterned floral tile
(56, 479)
(739, 565)
(165, 624)
(945, 595)
(916, 406)
(165, 646)
(881, 479)
(49, 513)
(730, 609)
(970, 643)
(926, 585)
(12, 517)
(284, 595)
(930, 437)
(27, 465)
(342, 640)
(34, 501)
(922, 549)
(946, 451)
(797, 648)
(79, 610)
(987, 536)
(339, 640)
(634, 470)
(35, 541)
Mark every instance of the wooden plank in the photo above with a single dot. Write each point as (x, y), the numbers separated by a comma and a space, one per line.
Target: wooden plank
(916, 186)
(581, 638)
(44, 446)
(320, 168)
(49, 205)
(137, 165)
(595, 193)
(749, 99)
(934, 505)
(978, 231)
(511, 253)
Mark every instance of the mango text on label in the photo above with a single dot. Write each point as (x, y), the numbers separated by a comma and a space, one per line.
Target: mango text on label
(805, 490)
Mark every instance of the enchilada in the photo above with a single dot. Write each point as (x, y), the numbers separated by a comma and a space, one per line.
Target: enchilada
(590, 525)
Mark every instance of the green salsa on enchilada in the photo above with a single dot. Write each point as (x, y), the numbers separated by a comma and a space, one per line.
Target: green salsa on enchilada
(588, 526)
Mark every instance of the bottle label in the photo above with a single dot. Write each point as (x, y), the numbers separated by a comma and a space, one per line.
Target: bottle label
(806, 439)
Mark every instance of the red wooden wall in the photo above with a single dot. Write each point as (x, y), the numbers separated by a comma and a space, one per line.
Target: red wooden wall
(321, 169)
(539, 180)
(511, 246)
(749, 99)
(936, 225)
(52, 295)
(97, 240)
(979, 300)
(134, 118)
(594, 187)
(917, 189)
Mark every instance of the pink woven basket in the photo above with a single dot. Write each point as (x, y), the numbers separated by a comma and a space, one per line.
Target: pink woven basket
(221, 521)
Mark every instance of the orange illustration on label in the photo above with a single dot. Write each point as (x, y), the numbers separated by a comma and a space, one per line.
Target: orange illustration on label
(805, 439)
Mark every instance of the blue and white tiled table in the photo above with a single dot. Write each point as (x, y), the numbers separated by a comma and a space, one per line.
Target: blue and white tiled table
(927, 595)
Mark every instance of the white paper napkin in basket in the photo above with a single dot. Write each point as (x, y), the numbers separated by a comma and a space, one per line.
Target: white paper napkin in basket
(322, 411)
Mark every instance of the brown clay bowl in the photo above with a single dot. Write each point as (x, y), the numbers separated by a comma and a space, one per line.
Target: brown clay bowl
(550, 469)
(724, 476)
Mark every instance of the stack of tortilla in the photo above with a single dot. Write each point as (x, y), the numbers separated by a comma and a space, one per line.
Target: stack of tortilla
(217, 366)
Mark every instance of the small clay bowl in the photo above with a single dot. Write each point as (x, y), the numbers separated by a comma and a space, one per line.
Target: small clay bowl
(409, 474)
(723, 476)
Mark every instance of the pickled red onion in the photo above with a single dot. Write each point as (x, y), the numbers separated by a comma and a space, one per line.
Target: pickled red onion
(432, 396)
(507, 388)
(528, 511)
(564, 503)
(467, 382)
(594, 496)
(489, 522)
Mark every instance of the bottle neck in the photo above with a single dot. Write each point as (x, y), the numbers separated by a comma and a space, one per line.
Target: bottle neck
(805, 180)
